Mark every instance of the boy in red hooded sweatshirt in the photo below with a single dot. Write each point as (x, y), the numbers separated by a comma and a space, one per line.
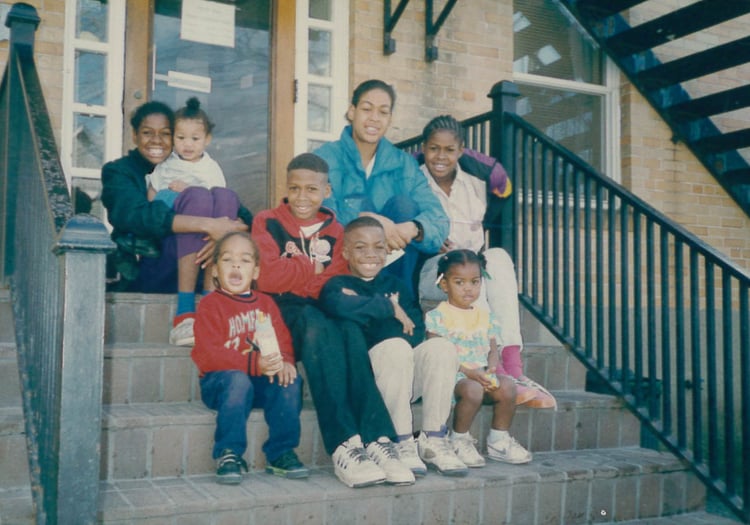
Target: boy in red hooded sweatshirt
(301, 248)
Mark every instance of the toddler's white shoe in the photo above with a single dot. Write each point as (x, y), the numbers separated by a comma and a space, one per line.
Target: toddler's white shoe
(354, 467)
(466, 451)
(383, 453)
(437, 453)
(182, 334)
(508, 451)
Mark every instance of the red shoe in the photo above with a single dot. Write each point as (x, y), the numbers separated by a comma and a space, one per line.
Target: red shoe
(541, 399)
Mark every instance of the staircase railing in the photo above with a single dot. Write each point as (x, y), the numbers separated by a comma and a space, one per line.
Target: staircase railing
(54, 264)
(659, 317)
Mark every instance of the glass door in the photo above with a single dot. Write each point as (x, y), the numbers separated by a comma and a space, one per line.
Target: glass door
(220, 52)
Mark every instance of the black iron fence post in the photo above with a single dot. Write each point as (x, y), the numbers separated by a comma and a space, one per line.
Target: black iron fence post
(22, 19)
(81, 249)
(504, 95)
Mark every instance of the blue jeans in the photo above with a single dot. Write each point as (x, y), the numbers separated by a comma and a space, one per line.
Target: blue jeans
(233, 394)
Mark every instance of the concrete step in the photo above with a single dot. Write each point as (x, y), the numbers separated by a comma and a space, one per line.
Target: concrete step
(171, 439)
(561, 487)
(153, 440)
(154, 372)
(10, 390)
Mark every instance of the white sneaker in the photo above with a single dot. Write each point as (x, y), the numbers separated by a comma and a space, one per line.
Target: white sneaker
(466, 451)
(383, 452)
(508, 451)
(353, 466)
(407, 453)
(182, 334)
(437, 453)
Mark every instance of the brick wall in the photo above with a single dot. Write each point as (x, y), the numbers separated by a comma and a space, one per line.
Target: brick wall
(48, 54)
(475, 47)
(476, 50)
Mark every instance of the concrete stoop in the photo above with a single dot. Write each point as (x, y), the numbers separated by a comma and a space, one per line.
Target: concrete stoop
(561, 487)
(156, 467)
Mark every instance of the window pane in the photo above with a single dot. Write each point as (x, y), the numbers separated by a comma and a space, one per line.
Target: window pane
(319, 57)
(312, 145)
(319, 108)
(91, 20)
(572, 119)
(320, 9)
(90, 80)
(88, 141)
(549, 42)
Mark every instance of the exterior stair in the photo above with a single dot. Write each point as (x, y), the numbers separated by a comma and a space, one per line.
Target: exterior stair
(156, 441)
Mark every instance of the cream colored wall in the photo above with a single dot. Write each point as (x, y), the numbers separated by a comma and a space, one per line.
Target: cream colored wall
(476, 51)
(48, 54)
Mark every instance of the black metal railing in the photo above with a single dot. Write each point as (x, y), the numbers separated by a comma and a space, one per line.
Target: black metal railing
(658, 316)
(54, 264)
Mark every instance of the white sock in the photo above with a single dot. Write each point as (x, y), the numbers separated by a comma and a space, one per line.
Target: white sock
(497, 435)
(458, 435)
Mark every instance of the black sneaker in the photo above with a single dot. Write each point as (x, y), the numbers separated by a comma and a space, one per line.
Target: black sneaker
(288, 466)
(229, 468)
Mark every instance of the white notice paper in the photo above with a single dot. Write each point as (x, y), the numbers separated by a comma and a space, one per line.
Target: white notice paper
(207, 22)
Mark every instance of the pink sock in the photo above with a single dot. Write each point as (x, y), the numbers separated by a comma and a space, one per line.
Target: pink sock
(511, 360)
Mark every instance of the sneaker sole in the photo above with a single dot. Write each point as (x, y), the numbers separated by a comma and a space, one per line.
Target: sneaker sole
(362, 484)
(229, 480)
(455, 473)
(510, 461)
(288, 474)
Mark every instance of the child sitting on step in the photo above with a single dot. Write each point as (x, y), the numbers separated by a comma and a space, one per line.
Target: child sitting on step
(406, 366)
(244, 354)
(474, 330)
(469, 186)
(301, 244)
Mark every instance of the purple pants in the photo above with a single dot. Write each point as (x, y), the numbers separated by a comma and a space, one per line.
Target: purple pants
(159, 275)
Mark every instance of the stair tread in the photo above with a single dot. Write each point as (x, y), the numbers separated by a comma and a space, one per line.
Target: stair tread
(194, 494)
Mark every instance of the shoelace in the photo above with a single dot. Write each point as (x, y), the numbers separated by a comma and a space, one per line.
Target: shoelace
(388, 449)
(231, 458)
(442, 444)
(358, 454)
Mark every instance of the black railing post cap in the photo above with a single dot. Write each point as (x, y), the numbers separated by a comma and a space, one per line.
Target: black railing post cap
(504, 88)
(22, 12)
(84, 232)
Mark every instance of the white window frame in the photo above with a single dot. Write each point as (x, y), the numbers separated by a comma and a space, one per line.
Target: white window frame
(610, 92)
(338, 81)
(114, 50)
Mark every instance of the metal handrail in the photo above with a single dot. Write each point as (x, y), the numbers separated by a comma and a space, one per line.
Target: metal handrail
(54, 263)
(658, 317)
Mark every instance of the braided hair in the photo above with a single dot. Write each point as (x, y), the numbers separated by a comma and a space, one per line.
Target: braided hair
(458, 257)
(193, 111)
(444, 123)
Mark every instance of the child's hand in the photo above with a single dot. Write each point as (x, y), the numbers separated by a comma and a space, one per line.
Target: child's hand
(319, 268)
(287, 374)
(348, 291)
(270, 365)
(178, 186)
(401, 315)
(479, 375)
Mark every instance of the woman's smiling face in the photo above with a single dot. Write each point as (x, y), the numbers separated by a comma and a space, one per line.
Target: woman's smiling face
(153, 138)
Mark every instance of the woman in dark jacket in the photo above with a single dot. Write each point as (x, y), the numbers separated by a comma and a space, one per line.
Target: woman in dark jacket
(148, 249)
